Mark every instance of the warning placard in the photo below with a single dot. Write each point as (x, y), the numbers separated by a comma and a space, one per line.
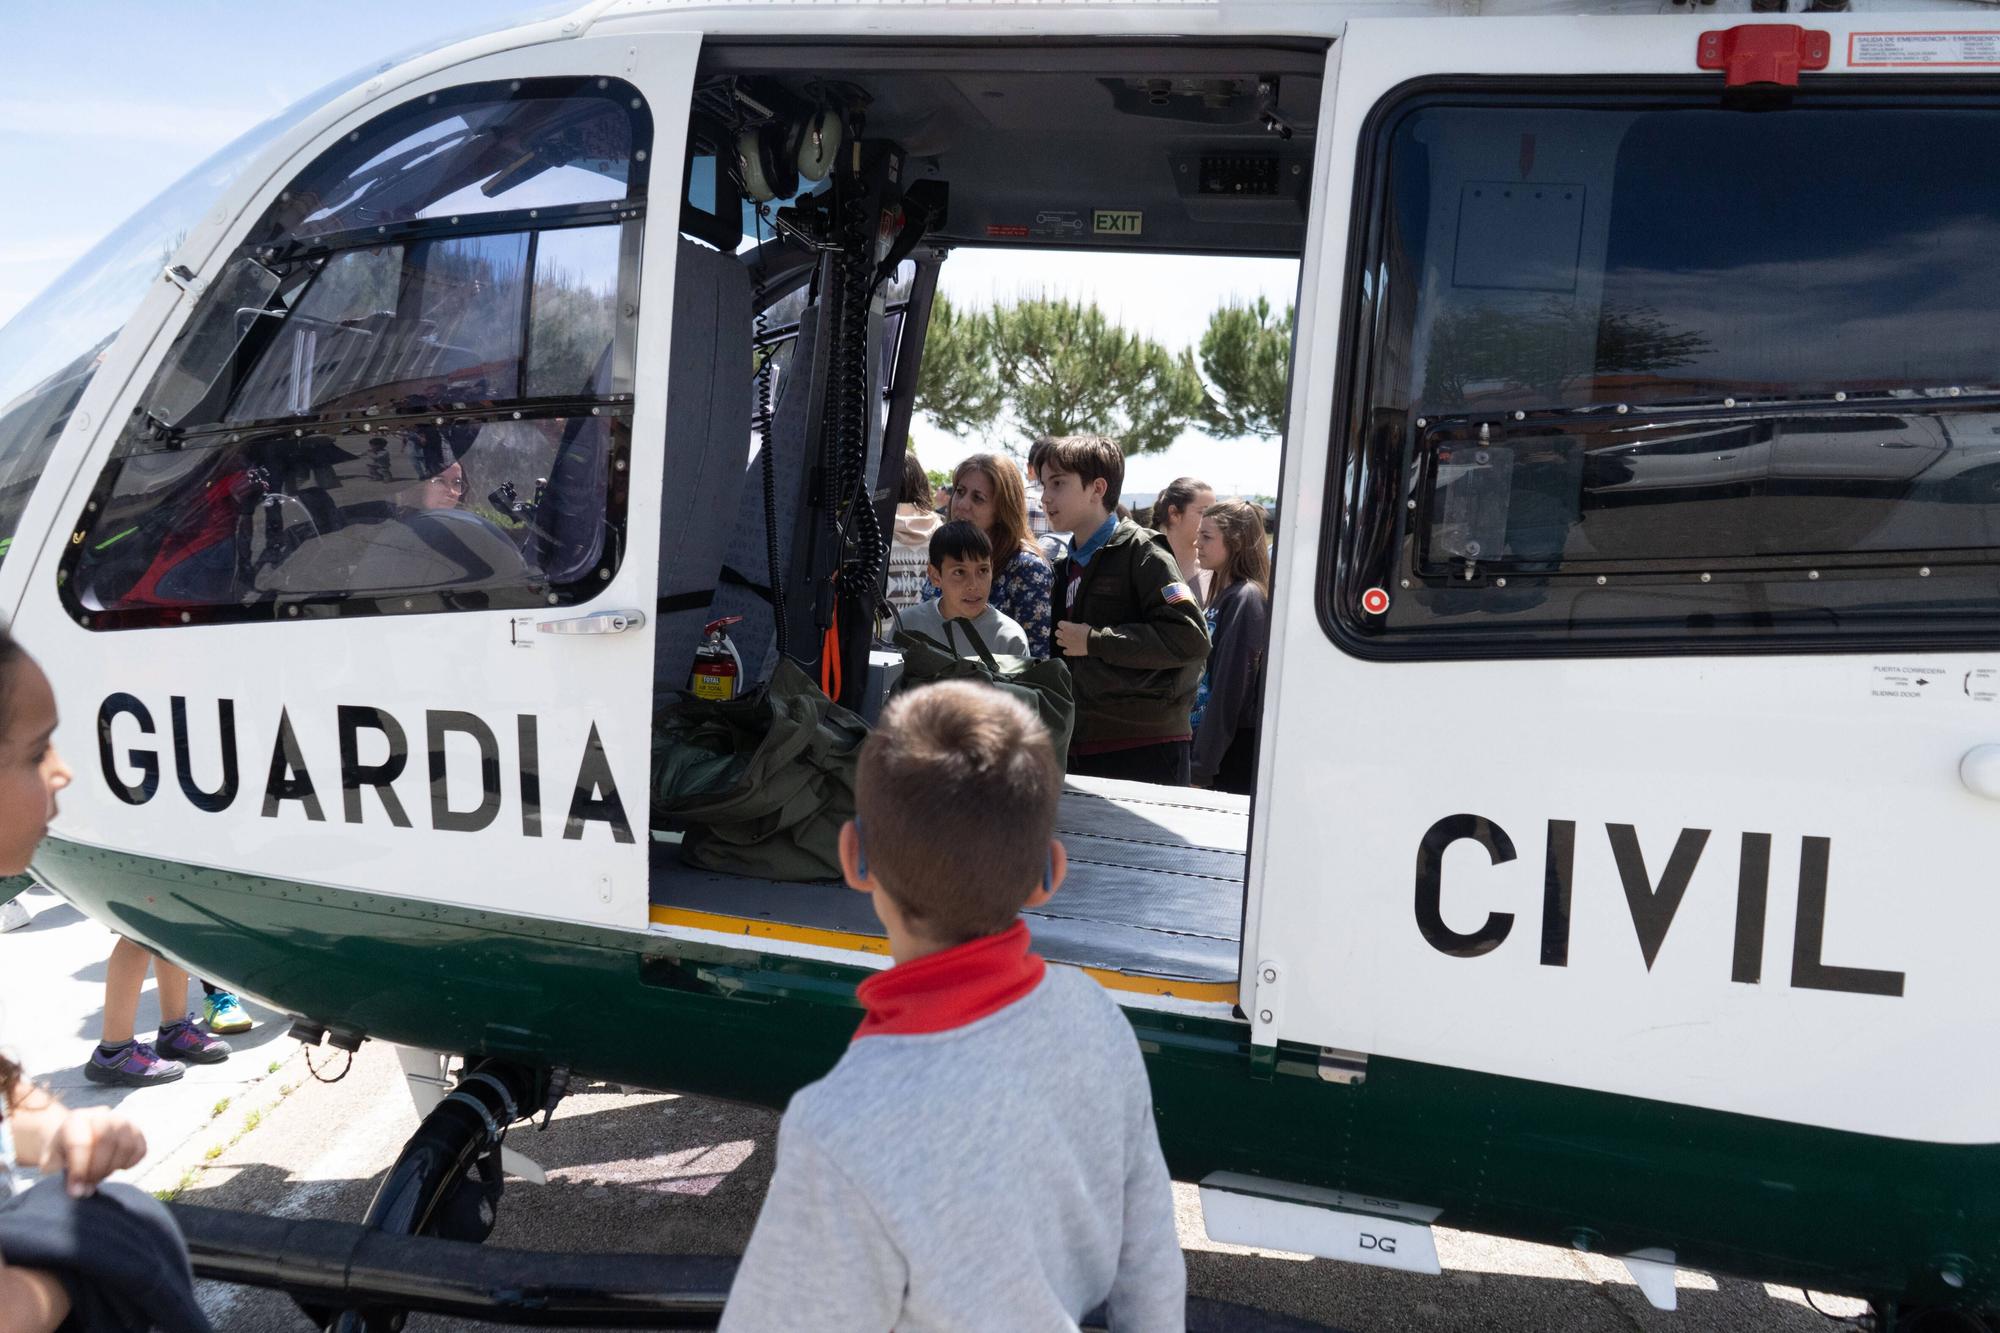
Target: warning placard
(1889, 50)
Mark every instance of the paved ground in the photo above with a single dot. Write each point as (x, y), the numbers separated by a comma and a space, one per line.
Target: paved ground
(653, 1172)
(52, 1012)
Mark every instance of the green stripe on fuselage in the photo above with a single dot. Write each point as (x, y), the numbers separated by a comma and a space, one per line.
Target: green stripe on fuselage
(1729, 1193)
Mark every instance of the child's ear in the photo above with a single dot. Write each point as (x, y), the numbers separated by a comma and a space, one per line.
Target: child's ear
(1058, 870)
(850, 859)
(937, 579)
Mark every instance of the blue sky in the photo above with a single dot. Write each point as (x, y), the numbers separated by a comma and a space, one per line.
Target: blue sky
(103, 103)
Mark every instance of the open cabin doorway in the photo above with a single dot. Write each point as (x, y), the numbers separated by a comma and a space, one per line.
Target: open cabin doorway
(1206, 154)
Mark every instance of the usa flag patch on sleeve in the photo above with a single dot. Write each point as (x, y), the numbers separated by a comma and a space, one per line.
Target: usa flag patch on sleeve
(1179, 592)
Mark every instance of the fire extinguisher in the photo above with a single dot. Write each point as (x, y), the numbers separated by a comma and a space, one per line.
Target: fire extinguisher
(718, 667)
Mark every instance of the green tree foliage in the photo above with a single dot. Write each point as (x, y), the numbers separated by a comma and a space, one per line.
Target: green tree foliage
(574, 321)
(1067, 370)
(1055, 367)
(956, 386)
(1246, 353)
(1547, 349)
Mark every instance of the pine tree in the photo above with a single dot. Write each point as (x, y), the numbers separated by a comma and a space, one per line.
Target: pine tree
(1246, 354)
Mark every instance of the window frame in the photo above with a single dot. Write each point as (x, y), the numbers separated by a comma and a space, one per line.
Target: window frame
(629, 215)
(1345, 570)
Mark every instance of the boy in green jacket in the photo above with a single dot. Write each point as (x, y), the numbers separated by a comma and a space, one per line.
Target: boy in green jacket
(1129, 627)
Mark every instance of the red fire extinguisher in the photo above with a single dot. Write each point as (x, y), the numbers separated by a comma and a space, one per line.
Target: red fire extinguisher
(718, 667)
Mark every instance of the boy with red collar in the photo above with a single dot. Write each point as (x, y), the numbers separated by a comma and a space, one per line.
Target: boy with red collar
(983, 1156)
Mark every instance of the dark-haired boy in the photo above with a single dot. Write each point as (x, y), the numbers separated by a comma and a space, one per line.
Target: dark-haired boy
(983, 1156)
(962, 568)
(1130, 628)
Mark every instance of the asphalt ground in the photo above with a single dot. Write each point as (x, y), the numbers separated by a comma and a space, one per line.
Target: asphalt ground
(653, 1172)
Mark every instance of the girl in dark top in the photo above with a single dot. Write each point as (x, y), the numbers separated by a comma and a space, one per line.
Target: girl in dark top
(1231, 544)
(81, 1147)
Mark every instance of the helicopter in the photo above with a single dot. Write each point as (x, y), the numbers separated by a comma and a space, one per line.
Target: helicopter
(1632, 711)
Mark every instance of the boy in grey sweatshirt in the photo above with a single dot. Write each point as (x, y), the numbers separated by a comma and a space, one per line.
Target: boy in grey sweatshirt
(983, 1156)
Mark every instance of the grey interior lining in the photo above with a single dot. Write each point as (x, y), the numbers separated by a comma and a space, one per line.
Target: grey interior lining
(708, 429)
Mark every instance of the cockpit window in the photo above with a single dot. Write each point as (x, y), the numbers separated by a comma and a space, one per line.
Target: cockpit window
(470, 514)
(1680, 373)
(51, 349)
(410, 388)
(466, 155)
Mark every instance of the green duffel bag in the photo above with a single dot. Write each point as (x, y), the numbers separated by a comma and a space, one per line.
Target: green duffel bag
(759, 785)
(1043, 685)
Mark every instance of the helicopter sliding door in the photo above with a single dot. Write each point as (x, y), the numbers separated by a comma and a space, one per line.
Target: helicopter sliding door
(360, 586)
(1634, 688)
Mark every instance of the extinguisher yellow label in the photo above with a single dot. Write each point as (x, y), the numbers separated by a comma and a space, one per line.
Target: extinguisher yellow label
(714, 687)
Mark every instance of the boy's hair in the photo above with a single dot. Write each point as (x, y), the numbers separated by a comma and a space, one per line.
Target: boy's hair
(1038, 454)
(956, 796)
(1090, 457)
(959, 540)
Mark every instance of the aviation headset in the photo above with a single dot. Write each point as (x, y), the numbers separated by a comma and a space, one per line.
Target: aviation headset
(777, 156)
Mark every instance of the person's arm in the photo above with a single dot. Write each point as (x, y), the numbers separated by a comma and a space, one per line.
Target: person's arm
(31, 1301)
(1011, 640)
(85, 1146)
(1170, 634)
(1149, 1293)
(1240, 626)
(819, 1257)
(1030, 589)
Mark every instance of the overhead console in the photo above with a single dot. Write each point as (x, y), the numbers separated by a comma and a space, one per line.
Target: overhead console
(1151, 149)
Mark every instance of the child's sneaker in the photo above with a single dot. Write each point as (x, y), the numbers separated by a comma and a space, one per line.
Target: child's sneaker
(223, 1013)
(182, 1040)
(13, 915)
(133, 1065)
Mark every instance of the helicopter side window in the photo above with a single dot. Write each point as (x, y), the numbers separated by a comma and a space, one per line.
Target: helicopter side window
(412, 391)
(1681, 376)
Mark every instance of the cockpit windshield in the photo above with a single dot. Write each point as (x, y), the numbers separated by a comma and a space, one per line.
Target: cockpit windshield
(51, 349)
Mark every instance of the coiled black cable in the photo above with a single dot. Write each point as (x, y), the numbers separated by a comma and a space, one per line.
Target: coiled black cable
(769, 463)
(762, 420)
(846, 459)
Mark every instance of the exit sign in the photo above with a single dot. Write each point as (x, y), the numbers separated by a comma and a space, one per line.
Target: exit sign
(1116, 222)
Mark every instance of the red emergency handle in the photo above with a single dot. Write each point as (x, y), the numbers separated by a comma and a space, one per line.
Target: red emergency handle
(1774, 53)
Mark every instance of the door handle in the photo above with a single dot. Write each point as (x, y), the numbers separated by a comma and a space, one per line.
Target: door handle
(598, 622)
(1980, 771)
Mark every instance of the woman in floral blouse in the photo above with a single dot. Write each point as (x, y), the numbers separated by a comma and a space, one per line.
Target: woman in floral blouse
(987, 490)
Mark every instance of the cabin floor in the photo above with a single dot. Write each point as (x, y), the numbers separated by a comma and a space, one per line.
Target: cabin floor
(1155, 887)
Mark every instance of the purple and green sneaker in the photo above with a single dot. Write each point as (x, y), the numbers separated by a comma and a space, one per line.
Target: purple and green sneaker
(183, 1040)
(134, 1065)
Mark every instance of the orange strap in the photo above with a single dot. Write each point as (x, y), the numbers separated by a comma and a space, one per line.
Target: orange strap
(829, 659)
